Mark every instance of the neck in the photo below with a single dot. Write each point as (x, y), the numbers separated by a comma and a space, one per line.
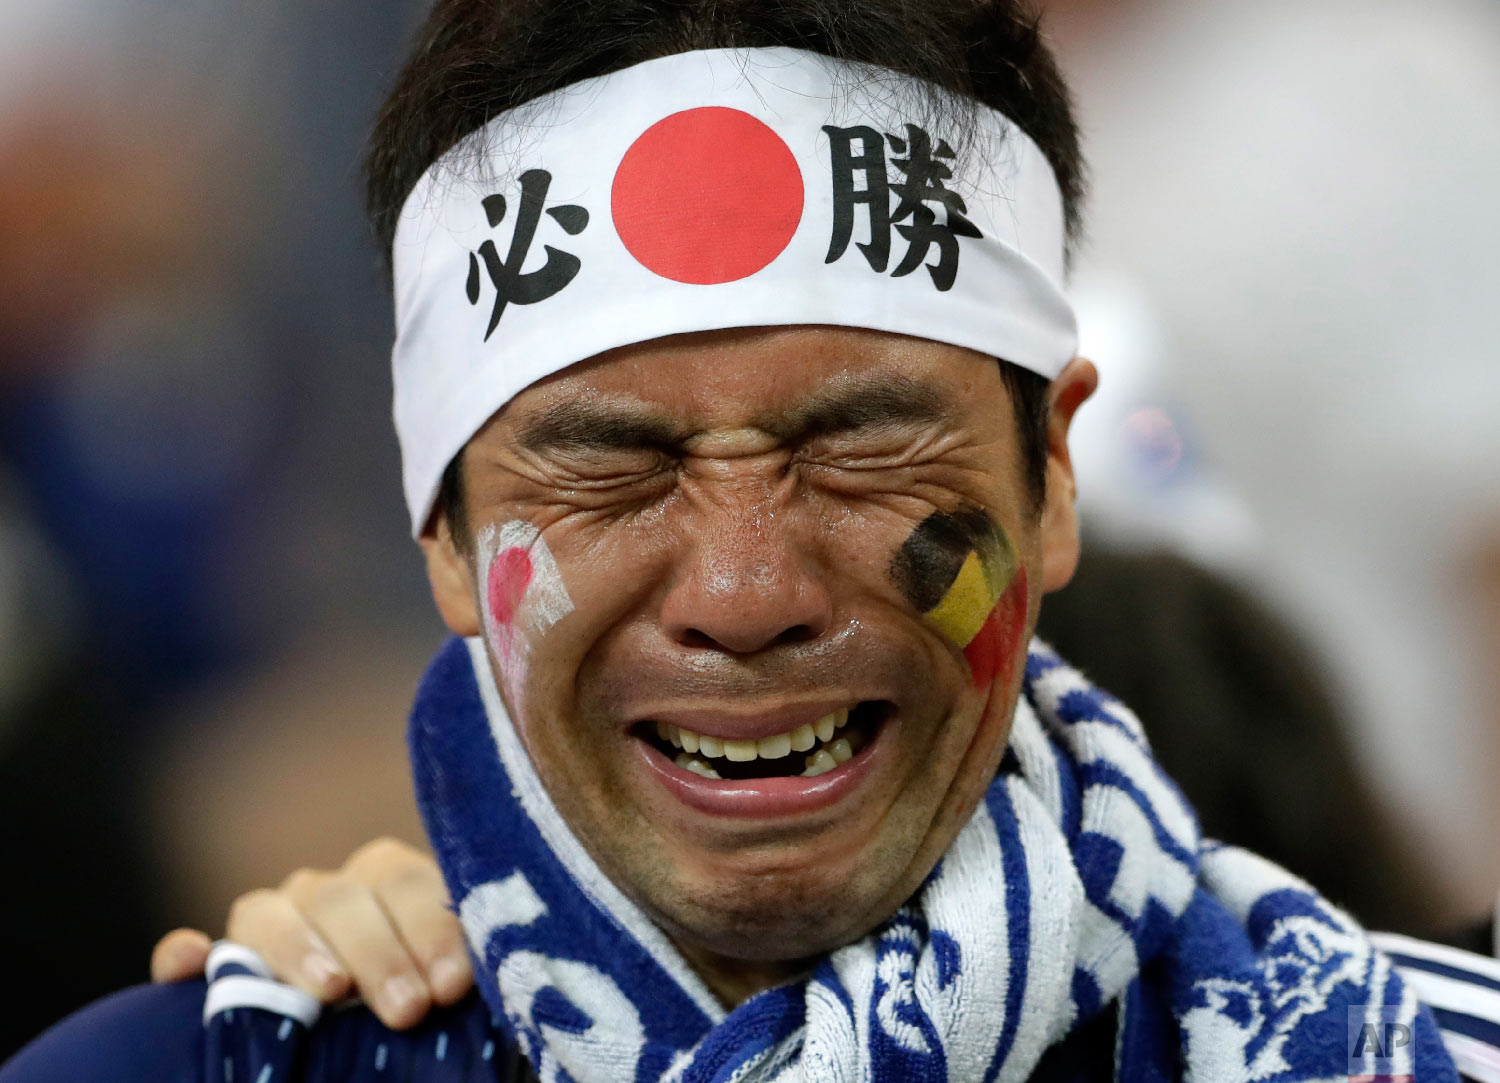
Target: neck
(735, 981)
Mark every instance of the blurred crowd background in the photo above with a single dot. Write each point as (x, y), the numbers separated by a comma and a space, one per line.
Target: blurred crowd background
(212, 619)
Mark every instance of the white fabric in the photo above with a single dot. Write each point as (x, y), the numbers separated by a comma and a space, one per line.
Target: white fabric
(1476, 1061)
(257, 989)
(1441, 954)
(228, 953)
(1007, 298)
(262, 994)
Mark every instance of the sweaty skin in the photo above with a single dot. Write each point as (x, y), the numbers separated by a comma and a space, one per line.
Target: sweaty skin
(754, 525)
(725, 507)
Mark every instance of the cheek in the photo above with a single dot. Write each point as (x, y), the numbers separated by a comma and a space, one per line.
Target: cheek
(960, 570)
(524, 597)
(509, 576)
(992, 653)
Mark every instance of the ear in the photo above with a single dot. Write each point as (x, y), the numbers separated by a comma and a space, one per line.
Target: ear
(1060, 543)
(451, 577)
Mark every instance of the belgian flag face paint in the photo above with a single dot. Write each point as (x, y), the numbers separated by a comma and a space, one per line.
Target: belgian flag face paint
(962, 573)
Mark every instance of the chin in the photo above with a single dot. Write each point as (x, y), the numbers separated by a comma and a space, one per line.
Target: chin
(773, 933)
(772, 914)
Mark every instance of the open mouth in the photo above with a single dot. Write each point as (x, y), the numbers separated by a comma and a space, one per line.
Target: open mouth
(806, 752)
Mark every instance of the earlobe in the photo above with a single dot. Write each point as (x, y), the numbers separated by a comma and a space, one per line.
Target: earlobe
(1059, 535)
(451, 578)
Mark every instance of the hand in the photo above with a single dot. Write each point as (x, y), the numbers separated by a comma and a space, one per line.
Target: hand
(380, 926)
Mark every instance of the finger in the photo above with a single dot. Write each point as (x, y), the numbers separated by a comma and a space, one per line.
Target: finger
(416, 901)
(180, 955)
(353, 923)
(268, 923)
(409, 886)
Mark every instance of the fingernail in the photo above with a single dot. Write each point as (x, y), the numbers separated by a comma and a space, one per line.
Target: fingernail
(401, 995)
(450, 973)
(322, 971)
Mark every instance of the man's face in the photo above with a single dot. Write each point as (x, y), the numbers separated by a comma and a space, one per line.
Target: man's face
(732, 541)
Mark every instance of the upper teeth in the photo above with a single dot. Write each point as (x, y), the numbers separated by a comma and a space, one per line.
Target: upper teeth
(698, 748)
(775, 747)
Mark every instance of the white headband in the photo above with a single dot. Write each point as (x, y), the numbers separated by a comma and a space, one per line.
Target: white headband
(706, 190)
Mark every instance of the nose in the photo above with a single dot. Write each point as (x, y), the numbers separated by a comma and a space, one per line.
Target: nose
(746, 588)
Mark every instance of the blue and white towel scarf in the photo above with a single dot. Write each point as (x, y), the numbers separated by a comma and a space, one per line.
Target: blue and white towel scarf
(1080, 882)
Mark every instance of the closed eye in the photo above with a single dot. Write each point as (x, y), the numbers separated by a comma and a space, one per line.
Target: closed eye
(877, 447)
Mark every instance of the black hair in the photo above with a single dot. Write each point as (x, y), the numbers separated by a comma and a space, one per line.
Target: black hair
(474, 59)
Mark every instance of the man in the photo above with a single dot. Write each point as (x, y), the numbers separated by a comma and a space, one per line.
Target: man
(744, 527)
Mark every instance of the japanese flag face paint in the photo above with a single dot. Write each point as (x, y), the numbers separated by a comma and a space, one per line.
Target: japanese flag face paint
(522, 596)
(962, 573)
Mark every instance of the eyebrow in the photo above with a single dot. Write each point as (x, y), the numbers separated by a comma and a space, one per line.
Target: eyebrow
(592, 426)
(863, 402)
(858, 403)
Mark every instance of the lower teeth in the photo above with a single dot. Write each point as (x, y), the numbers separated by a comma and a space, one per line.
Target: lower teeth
(697, 766)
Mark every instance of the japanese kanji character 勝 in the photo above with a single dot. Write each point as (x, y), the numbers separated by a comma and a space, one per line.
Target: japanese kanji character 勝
(925, 171)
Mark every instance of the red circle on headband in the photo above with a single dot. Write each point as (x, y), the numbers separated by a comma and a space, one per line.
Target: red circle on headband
(707, 196)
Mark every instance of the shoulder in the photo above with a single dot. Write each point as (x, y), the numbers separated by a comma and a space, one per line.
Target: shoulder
(1463, 991)
(243, 1027)
(150, 1034)
(452, 1045)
